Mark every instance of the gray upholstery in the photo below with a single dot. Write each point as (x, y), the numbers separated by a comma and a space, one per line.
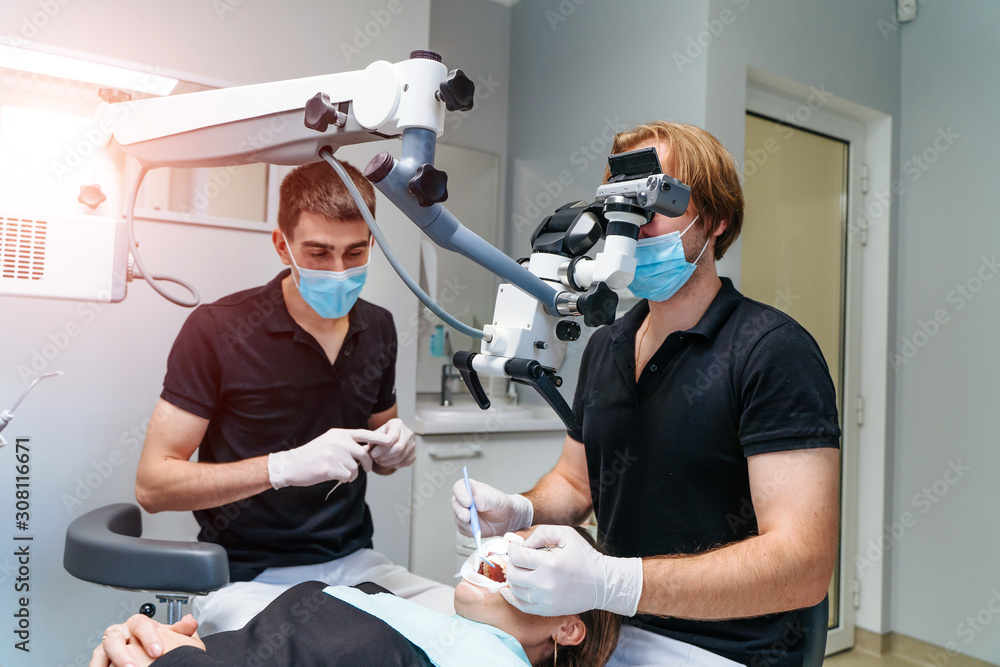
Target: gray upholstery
(815, 622)
(104, 547)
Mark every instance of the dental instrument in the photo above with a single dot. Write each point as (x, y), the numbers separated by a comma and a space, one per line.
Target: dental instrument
(7, 415)
(477, 532)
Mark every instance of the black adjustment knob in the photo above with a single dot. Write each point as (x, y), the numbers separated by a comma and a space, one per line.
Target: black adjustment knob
(429, 185)
(91, 195)
(148, 609)
(426, 55)
(321, 114)
(457, 91)
(598, 305)
(568, 331)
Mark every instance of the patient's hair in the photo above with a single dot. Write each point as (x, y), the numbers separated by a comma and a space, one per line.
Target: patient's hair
(602, 633)
(316, 188)
(699, 160)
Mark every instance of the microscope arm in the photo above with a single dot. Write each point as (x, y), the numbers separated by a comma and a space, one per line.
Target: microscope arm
(264, 123)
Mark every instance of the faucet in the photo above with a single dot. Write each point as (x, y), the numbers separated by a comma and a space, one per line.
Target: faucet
(447, 375)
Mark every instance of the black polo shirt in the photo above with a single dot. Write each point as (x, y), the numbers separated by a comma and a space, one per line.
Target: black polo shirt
(265, 385)
(666, 456)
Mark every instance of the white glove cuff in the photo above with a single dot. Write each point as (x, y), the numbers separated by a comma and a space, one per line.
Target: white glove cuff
(524, 512)
(623, 585)
(276, 470)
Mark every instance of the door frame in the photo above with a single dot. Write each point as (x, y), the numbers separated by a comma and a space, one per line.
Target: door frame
(868, 135)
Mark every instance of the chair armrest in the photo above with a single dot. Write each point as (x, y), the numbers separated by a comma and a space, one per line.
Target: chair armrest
(104, 547)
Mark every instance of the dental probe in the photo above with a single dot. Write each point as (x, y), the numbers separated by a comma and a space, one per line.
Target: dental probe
(477, 532)
(336, 486)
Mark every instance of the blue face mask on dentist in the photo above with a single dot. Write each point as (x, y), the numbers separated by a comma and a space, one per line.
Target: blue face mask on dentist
(331, 294)
(661, 267)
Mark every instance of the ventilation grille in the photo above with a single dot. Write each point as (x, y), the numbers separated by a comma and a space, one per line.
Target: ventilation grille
(22, 248)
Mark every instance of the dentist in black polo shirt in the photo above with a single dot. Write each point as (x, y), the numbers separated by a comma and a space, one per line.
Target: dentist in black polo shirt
(708, 448)
(287, 393)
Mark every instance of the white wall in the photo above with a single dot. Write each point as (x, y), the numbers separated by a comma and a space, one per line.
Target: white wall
(81, 423)
(945, 574)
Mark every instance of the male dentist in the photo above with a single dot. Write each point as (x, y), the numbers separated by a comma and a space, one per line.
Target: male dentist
(708, 448)
(287, 393)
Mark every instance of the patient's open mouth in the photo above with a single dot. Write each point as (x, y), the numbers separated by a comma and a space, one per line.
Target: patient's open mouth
(493, 568)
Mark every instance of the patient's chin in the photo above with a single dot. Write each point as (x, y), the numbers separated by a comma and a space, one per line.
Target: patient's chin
(469, 595)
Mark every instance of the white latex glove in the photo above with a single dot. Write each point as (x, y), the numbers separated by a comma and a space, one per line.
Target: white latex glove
(499, 512)
(569, 576)
(336, 454)
(401, 451)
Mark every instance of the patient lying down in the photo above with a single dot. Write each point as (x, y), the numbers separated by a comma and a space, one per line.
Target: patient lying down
(313, 624)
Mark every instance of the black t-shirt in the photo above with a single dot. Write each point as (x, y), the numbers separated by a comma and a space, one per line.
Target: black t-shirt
(666, 456)
(265, 385)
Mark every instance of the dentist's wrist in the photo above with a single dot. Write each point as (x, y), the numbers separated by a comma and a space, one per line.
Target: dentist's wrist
(622, 585)
(524, 513)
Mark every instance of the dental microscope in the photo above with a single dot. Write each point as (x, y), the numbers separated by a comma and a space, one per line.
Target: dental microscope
(305, 120)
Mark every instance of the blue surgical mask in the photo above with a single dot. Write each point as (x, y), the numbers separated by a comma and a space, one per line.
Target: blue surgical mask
(331, 294)
(661, 267)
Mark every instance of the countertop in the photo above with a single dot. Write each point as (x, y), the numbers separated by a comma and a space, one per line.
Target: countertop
(466, 417)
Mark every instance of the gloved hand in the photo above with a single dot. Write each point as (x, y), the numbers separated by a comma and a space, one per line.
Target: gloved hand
(570, 576)
(499, 512)
(401, 451)
(334, 455)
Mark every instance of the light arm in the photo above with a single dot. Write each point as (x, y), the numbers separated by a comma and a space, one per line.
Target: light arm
(264, 122)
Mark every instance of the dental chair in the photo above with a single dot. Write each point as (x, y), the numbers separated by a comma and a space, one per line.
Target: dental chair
(105, 547)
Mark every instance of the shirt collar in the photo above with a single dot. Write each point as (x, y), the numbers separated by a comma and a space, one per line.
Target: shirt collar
(709, 325)
(280, 321)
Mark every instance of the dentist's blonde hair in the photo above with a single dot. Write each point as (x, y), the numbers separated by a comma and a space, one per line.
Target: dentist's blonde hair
(699, 160)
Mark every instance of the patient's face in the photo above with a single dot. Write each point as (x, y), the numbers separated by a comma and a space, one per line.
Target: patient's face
(479, 604)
